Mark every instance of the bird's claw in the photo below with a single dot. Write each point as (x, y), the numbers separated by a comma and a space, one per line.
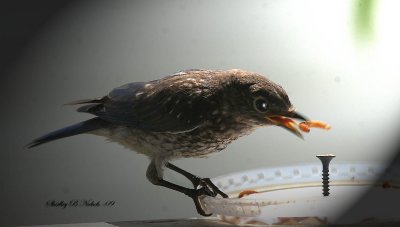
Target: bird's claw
(204, 187)
(209, 185)
(197, 193)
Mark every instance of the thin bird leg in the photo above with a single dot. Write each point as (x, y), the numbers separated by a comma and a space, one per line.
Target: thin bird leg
(196, 181)
(192, 193)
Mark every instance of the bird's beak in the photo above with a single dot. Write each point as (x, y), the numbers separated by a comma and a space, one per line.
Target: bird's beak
(296, 115)
(285, 121)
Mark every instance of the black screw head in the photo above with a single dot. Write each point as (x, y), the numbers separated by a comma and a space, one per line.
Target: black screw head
(325, 159)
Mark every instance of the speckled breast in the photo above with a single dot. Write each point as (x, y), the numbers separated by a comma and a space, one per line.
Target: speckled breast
(204, 140)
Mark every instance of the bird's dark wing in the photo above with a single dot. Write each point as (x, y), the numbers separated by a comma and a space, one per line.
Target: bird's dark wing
(155, 106)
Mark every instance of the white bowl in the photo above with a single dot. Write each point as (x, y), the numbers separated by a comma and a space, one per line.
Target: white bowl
(293, 195)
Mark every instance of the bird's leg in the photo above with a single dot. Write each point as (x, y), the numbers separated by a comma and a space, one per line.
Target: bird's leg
(197, 181)
(195, 194)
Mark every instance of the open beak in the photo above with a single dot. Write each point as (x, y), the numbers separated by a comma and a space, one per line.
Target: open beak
(285, 121)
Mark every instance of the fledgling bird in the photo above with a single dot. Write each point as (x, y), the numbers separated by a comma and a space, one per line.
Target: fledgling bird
(188, 114)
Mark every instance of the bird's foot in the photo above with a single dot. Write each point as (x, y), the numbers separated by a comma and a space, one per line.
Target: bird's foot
(202, 187)
(195, 194)
(209, 186)
(198, 182)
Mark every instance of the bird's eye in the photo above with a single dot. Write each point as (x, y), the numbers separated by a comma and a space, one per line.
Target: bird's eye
(260, 104)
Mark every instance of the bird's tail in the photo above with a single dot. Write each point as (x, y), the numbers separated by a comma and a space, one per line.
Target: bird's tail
(81, 127)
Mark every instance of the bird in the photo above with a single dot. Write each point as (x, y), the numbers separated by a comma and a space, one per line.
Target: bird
(191, 113)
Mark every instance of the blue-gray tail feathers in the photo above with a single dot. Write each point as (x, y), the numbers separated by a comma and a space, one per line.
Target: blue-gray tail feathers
(81, 127)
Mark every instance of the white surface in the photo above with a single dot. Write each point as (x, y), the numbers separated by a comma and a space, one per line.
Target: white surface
(296, 191)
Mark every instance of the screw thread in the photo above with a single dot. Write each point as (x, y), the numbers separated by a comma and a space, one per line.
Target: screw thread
(325, 183)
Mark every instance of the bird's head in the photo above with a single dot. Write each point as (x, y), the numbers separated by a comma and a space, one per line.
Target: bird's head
(262, 101)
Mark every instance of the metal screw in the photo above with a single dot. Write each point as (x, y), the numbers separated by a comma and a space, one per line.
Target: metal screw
(325, 159)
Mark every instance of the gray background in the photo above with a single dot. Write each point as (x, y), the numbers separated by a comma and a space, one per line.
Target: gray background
(90, 47)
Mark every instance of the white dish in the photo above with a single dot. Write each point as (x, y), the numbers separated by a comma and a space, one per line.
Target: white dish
(294, 195)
